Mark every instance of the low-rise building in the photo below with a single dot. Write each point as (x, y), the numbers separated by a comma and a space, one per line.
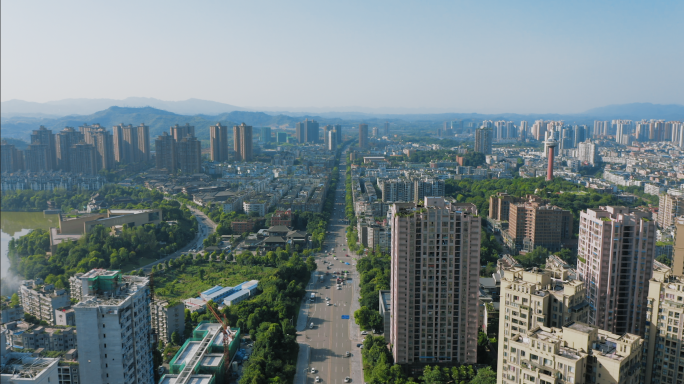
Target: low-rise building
(26, 335)
(42, 301)
(167, 318)
(25, 368)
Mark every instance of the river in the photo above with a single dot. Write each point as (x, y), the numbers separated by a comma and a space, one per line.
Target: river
(14, 225)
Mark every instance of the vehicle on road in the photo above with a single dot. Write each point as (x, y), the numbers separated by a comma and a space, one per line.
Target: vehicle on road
(338, 287)
(347, 379)
(347, 354)
(311, 326)
(328, 304)
(364, 333)
(313, 370)
(318, 379)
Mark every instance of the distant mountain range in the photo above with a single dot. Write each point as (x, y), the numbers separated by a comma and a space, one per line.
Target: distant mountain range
(19, 125)
(67, 107)
(158, 120)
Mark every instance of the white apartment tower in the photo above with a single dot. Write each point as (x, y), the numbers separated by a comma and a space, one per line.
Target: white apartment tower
(434, 282)
(615, 255)
(113, 322)
(587, 152)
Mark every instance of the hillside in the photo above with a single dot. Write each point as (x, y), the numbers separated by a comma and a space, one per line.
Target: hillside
(158, 120)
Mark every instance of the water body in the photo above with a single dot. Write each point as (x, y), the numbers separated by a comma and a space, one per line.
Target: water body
(14, 225)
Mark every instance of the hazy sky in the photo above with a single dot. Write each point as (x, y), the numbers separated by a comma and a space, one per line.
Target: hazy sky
(460, 56)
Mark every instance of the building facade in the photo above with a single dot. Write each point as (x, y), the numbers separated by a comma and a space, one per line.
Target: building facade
(189, 155)
(533, 224)
(669, 207)
(42, 301)
(242, 142)
(434, 282)
(483, 140)
(363, 136)
(167, 318)
(113, 319)
(218, 142)
(615, 256)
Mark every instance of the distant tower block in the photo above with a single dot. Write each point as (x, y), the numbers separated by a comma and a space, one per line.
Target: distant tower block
(551, 145)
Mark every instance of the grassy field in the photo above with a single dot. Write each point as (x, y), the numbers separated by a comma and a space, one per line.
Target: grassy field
(174, 284)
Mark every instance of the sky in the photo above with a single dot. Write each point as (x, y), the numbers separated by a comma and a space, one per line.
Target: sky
(441, 56)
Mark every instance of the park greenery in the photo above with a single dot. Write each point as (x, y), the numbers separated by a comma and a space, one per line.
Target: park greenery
(100, 249)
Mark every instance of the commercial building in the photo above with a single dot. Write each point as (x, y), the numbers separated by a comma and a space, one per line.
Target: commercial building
(615, 260)
(113, 218)
(218, 142)
(669, 207)
(663, 333)
(113, 319)
(575, 353)
(534, 223)
(25, 368)
(41, 300)
(363, 136)
(242, 142)
(201, 359)
(167, 318)
(434, 282)
(165, 152)
(483, 140)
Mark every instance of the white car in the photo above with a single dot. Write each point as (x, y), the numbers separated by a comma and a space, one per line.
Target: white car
(328, 304)
(347, 379)
(364, 333)
(318, 379)
(338, 288)
(313, 370)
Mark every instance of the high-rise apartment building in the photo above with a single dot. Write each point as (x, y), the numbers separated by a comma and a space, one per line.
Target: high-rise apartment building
(434, 282)
(282, 137)
(678, 251)
(332, 140)
(669, 207)
(11, 159)
(307, 131)
(143, 143)
(36, 158)
(179, 132)
(189, 155)
(131, 144)
(483, 140)
(387, 125)
(83, 159)
(663, 346)
(397, 190)
(534, 223)
(242, 142)
(103, 142)
(374, 131)
(575, 353)
(113, 322)
(165, 152)
(218, 142)
(587, 152)
(615, 260)
(338, 128)
(427, 188)
(326, 135)
(64, 140)
(44, 136)
(265, 135)
(363, 136)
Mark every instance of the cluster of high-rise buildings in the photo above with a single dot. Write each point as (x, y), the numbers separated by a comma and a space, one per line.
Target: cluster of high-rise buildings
(179, 150)
(86, 151)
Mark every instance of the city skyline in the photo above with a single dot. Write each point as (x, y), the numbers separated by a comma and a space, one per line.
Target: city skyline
(592, 46)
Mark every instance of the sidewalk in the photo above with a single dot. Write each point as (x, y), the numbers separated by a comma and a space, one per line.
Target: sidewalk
(302, 364)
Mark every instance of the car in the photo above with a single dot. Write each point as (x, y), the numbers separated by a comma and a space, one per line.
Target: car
(347, 354)
(347, 379)
(313, 370)
(328, 304)
(318, 379)
(364, 333)
(338, 288)
(327, 287)
(359, 345)
(311, 326)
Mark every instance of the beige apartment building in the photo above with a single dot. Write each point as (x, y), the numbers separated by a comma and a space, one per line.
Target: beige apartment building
(576, 353)
(41, 300)
(664, 355)
(530, 298)
(678, 251)
(533, 224)
(669, 207)
(434, 282)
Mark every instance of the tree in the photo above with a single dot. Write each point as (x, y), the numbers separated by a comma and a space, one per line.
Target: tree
(175, 338)
(311, 264)
(368, 318)
(484, 376)
(14, 301)
(434, 375)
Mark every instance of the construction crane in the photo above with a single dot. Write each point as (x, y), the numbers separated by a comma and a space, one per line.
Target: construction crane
(225, 332)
